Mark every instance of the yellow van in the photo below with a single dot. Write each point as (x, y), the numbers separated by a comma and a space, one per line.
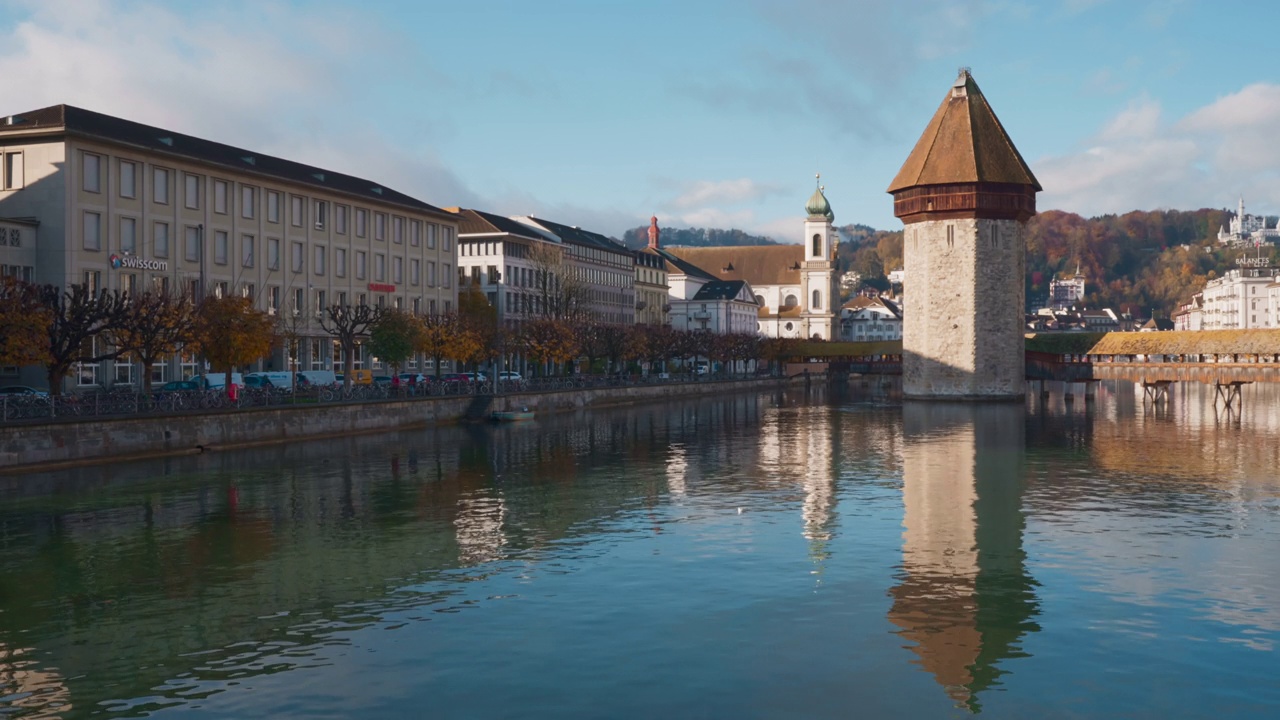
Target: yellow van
(361, 377)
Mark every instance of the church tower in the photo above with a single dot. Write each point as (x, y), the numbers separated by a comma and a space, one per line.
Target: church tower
(817, 271)
(964, 196)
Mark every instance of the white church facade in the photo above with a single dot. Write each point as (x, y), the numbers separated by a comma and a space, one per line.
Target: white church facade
(1246, 229)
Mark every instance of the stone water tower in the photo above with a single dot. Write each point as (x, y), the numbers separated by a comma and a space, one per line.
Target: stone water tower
(964, 195)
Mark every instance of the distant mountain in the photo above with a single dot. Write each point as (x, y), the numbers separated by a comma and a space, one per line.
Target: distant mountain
(637, 238)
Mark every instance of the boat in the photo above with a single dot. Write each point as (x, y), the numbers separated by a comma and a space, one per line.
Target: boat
(523, 413)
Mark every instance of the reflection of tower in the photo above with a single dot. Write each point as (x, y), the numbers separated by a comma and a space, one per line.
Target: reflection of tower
(818, 510)
(965, 598)
(479, 528)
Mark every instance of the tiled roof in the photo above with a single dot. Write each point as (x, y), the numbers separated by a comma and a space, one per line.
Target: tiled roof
(964, 143)
(720, 290)
(578, 236)
(757, 264)
(478, 222)
(76, 121)
(675, 265)
(1190, 342)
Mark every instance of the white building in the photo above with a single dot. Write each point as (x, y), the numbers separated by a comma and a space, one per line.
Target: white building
(1240, 299)
(1191, 315)
(701, 301)
(1247, 229)
(1067, 293)
(865, 319)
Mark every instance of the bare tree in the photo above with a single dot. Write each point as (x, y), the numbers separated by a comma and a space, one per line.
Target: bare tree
(560, 290)
(154, 325)
(349, 324)
(78, 316)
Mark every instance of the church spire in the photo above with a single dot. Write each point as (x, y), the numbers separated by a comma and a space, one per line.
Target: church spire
(655, 233)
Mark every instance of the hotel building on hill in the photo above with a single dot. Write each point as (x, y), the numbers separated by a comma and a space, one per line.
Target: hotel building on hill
(121, 205)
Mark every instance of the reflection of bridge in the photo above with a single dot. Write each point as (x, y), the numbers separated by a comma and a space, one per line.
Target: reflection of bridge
(1226, 359)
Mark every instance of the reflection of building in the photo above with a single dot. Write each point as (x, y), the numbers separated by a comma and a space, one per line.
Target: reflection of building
(965, 598)
(479, 526)
(24, 686)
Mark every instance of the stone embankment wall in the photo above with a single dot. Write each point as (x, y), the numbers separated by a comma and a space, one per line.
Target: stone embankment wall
(74, 441)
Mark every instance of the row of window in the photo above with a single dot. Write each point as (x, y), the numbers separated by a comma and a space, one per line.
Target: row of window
(92, 166)
(20, 272)
(11, 237)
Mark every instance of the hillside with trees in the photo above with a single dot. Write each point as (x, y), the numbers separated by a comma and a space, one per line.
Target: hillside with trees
(637, 238)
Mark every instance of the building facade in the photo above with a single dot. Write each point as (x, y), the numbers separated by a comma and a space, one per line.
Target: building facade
(1240, 299)
(1245, 229)
(604, 265)
(865, 319)
(653, 298)
(1067, 293)
(964, 195)
(125, 206)
(500, 256)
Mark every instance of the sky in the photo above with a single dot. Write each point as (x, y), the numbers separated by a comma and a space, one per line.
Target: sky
(707, 113)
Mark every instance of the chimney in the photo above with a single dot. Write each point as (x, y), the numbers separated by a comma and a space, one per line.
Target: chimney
(654, 233)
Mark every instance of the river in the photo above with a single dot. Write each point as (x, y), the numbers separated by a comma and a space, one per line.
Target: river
(799, 554)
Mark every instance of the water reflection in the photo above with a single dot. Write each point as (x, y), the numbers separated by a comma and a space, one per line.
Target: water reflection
(964, 597)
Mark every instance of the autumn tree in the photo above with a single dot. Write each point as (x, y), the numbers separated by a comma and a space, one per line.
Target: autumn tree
(478, 316)
(349, 324)
(24, 336)
(155, 325)
(445, 337)
(394, 337)
(231, 332)
(77, 317)
(549, 341)
(613, 344)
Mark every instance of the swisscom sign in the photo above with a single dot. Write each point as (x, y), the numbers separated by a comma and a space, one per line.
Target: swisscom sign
(133, 262)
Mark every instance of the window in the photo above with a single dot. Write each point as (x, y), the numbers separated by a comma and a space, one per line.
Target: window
(93, 280)
(318, 260)
(299, 300)
(91, 165)
(191, 191)
(248, 201)
(192, 252)
(446, 240)
(397, 230)
(431, 273)
(320, 304)
(297, 209)
(322, 213)
(493, 274)
(397, 270)
(379, 226)
(129, 283)
(340, 262)
(362, 217)
(273, 299)
(380, 267)
(817, 299)
(247, 290)
(273, 253)
(415, 232)
(447, 270)
(340, 219)
(92, 231)
(160, 186)
(160, 240)
(297, 257)
(246, 251)
(817, 246)
(219, 246)
(431, 236)
(13, 175)
(415, 271)
(220, 196)
(128, 235)
(360, 264)
(128, 179)
(273, 207)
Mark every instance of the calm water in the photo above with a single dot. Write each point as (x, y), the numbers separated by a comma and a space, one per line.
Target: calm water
(757, 556)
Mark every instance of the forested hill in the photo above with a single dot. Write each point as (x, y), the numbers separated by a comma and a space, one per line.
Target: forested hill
(637, 238)
(1140, 261)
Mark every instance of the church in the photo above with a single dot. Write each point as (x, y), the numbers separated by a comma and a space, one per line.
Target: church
(794, 285)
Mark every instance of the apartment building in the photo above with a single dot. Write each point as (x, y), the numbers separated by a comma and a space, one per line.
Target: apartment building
(122, 205)
(499, 256)
(1239, 299)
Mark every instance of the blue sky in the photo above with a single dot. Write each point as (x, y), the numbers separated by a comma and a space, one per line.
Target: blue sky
(704, 112)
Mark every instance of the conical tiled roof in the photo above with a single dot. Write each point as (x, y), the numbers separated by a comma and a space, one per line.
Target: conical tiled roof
(964, 143)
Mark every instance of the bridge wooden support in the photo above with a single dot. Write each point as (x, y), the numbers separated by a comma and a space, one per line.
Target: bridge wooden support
(1156, 391)
(1228, 393)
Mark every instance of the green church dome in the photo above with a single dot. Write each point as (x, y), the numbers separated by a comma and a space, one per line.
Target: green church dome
(818, 205)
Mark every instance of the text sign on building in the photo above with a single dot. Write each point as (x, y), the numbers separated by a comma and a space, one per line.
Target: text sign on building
(1254, 262)
(133, 262)
(382, 287)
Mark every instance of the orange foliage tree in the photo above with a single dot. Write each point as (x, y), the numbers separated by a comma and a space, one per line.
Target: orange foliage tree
(155, 325)
(231, 332)
(24, 322)
(549, 341)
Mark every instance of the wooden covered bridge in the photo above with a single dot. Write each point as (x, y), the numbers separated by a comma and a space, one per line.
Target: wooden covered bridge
(1226, 359)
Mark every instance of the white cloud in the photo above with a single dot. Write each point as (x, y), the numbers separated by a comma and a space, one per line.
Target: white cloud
(259, 75)
(732, 192)
(1140, 161)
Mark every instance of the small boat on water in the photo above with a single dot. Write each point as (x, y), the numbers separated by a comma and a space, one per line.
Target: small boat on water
(523, 413)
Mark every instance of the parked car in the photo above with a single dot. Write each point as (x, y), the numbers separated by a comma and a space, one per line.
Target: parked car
(464, 377)
(382, 380)
(410, 378)
(509, 376)
(180, 386)
(22, 390)
(308, 378)
(216, 380)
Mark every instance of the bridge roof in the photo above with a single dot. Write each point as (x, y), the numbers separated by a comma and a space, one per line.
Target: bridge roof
(1189, 342)
(816, 349)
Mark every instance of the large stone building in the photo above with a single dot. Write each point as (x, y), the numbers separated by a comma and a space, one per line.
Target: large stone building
(964, 195)
(122, 205)
(1246, 229)
(1239, 300)
(794, 285)
(697, 299)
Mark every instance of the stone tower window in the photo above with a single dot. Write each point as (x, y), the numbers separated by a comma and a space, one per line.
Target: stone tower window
(817, 246)
(817, 299)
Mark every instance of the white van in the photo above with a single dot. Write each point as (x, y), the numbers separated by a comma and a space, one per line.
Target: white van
(307, 378)
(279, 379)
(216, 380)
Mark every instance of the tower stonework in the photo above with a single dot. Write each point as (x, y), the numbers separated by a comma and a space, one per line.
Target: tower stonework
(964, 196)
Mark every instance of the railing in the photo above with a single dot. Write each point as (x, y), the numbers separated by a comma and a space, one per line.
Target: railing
(114, 403)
